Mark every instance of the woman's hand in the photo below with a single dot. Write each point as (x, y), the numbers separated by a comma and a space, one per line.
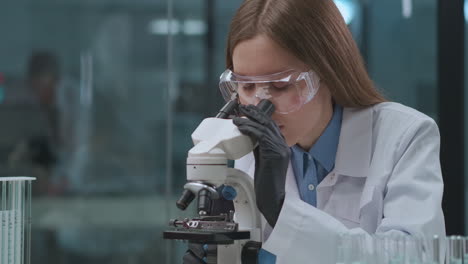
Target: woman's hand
(271, 160)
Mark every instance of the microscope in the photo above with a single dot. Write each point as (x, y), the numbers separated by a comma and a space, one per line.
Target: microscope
(228, 219)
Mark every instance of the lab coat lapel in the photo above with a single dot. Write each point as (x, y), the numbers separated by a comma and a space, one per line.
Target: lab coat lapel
(353, 154)
(291, 185)
(354, 151)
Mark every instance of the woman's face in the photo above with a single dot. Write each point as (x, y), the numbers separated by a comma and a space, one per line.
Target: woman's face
(262, 56)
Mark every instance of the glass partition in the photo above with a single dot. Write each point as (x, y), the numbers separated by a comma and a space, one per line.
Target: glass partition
(98, 100)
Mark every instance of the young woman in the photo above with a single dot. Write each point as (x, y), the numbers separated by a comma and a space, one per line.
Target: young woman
(335, 156)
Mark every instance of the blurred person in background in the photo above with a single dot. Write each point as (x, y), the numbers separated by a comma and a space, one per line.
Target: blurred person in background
(39, 152)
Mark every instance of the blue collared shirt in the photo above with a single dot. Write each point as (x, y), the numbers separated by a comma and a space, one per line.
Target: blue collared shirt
(311, 167)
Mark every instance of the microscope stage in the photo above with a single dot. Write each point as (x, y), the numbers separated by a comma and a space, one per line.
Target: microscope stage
(207, 237)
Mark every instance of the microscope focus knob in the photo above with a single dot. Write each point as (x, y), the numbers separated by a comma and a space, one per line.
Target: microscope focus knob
(229, 193)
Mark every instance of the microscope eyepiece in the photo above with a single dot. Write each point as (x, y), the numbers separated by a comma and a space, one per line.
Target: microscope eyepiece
(229, 108)
(266, 106)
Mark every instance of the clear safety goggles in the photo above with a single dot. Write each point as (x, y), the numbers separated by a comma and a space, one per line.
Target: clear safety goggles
(287, 90)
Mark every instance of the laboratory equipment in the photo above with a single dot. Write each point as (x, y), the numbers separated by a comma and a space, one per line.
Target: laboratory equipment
(236, 232)
(455, 248)
(15, 220)
(397, 248)
(352, 250)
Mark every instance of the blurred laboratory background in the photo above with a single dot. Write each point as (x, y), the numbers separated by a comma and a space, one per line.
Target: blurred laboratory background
(98, 99)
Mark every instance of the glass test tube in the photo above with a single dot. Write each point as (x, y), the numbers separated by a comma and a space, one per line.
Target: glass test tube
(15, 220)
(340, 251)
(455, 250)
(434, 252)
(3, 223)
(28, 222)
(351, 249)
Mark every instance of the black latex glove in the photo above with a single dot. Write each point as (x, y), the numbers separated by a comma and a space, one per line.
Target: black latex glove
(271, 160)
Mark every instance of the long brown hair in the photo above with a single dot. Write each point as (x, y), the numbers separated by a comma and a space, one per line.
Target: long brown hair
(315, 32)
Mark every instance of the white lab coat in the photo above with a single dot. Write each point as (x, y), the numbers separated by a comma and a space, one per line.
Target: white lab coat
(387, 178)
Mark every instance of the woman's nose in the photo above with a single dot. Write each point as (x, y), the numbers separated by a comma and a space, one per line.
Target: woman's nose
(256, 99)
(262, 93)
